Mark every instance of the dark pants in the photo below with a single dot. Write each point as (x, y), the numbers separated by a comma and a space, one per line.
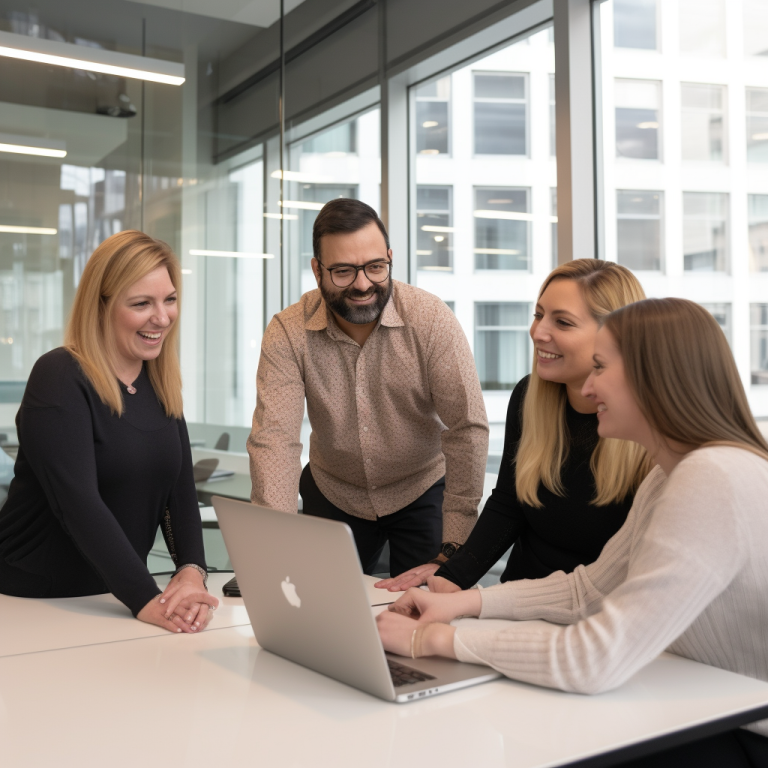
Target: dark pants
(414, 533)
(735, 749)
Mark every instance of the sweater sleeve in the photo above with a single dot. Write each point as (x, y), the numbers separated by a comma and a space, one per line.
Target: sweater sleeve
(502, 520)
(56, 430)
(186, 527)
(688, 549)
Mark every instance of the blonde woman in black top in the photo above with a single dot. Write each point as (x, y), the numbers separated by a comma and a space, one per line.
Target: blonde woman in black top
(104, 456)
(562, 492)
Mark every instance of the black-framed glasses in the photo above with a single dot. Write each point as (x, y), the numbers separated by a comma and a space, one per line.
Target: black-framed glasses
(346, 274)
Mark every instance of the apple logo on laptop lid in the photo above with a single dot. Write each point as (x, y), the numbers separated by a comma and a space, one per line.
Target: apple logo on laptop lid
(289, 590)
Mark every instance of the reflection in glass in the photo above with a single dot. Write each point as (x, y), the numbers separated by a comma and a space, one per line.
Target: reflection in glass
(500, 113)
(702, 27)
(705, 232)
(758, 315)
(703, 120)
(634, 24)
(757, 125)
(502, 228)
(502, 346)
(639, 230)
(757, 210)
(755, 14)
(637, 119)
(432, 117)
(434, 233)
(721, 313)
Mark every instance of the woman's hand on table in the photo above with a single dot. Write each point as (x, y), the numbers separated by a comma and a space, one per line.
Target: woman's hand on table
(413, 578)
(430, 607)
(186, 597)
(440, 584)
(154, 612)
(396, 632)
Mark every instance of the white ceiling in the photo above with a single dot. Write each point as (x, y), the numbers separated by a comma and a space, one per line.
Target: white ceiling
(257, 13)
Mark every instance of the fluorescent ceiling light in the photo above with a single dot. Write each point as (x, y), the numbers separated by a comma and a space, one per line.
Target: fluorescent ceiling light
(438, 269)
(186, 271)
(423, 253)
(25, 145)
(498, 251)
(286, 216)
(430, 124)
(649, 124)
(513, 215)
(233, 254)
(305, 206)
(429, 152)
(759, 136)
(308, 178)
(28, 230)
(428, 228)
(90, 59)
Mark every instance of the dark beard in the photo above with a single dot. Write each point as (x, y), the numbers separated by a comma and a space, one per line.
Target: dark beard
(358, 315)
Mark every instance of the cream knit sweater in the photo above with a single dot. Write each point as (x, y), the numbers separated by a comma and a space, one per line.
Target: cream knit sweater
(687, 573)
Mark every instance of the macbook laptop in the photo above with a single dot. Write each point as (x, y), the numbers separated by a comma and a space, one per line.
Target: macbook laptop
(303, 588)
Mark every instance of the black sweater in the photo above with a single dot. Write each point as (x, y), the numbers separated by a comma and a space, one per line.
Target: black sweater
(90, 490)
(565, 532)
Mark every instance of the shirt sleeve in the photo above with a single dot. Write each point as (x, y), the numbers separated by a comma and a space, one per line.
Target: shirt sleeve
(186, 526)
(274, 445)
(677, 567)
(502, 520)
(58, 443)
(458, 399)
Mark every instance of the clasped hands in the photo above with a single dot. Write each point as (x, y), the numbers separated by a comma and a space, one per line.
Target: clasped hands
(418, 607)
(184, 606)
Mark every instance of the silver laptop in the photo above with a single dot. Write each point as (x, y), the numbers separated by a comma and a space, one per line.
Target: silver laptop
(302, 584)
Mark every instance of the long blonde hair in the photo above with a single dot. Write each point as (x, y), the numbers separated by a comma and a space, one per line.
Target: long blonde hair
(617, 465)
(114, 266)
(683, 375)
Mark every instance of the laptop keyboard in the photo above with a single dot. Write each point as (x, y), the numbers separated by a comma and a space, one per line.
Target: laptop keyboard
(402, 675)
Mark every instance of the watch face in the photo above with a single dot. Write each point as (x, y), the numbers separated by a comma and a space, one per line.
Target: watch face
(449, 550)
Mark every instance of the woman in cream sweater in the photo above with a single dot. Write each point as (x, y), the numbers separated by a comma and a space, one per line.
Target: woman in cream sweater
(686, 570)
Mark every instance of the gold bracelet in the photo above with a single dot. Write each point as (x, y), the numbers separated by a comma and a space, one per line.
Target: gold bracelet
(416, 641)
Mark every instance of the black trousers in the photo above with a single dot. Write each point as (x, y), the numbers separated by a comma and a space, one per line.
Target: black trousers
(734, 749)
(414, 532)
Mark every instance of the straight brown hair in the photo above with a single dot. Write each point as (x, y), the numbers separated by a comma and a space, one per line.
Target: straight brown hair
(618, 466)
(683, 375)
(114, 266)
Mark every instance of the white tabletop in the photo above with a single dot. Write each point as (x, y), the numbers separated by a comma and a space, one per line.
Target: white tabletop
(216, 699)
(31, 626)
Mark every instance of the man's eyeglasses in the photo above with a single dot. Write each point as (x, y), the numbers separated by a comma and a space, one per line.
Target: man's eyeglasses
(344, 275)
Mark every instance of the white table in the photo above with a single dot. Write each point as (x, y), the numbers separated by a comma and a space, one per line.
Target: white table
(216, 699)
(31, 626)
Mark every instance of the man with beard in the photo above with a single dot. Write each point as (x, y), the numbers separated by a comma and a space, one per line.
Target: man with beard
(399, 432)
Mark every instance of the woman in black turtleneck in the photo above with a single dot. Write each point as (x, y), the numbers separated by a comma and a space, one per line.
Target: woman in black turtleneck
(561, 491)
(104, 456)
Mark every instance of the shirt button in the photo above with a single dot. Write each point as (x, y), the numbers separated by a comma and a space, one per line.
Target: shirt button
(373, 487)
(365, 429)
(368, 461)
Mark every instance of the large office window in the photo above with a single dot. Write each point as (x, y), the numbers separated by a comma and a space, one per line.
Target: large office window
(502, 343)
(501, 113)
(433, 101)
(638, 119)
(757, 208)
(758, 330)
(552, 118)
(434, 234)
(706, 244)
(634, 24)
(553, 224)
(502, 228)
(702, 27)
(639, 229)
(703, 122)
(721, 313)
(757, 125)
(755, 20)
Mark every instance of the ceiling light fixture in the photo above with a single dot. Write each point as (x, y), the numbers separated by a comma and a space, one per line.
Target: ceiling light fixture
(430, 124)
(28, 230)
(429, 228)
(286, 216)
(300, 204)
(297, 176)
(90, 59)
(513, 215)
(20, 145)
(233, 254)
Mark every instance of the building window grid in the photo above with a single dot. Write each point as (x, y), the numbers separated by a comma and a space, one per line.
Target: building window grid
(433, 117)
(758, 332)
(703, 125)
(434, 235)
(502, 228)
(640, 229)
(757, 207)
(757, 125)
(509, 109)
(706, 232)
(502, 343)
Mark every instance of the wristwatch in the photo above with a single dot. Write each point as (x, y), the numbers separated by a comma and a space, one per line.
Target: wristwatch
(447, 551)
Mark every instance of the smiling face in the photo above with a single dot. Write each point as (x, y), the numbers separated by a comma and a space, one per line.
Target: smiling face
(563, 334)
(143, 316)
(618, 413)
(363, 301)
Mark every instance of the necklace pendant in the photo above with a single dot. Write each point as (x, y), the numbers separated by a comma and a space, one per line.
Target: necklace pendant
(131, 390)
